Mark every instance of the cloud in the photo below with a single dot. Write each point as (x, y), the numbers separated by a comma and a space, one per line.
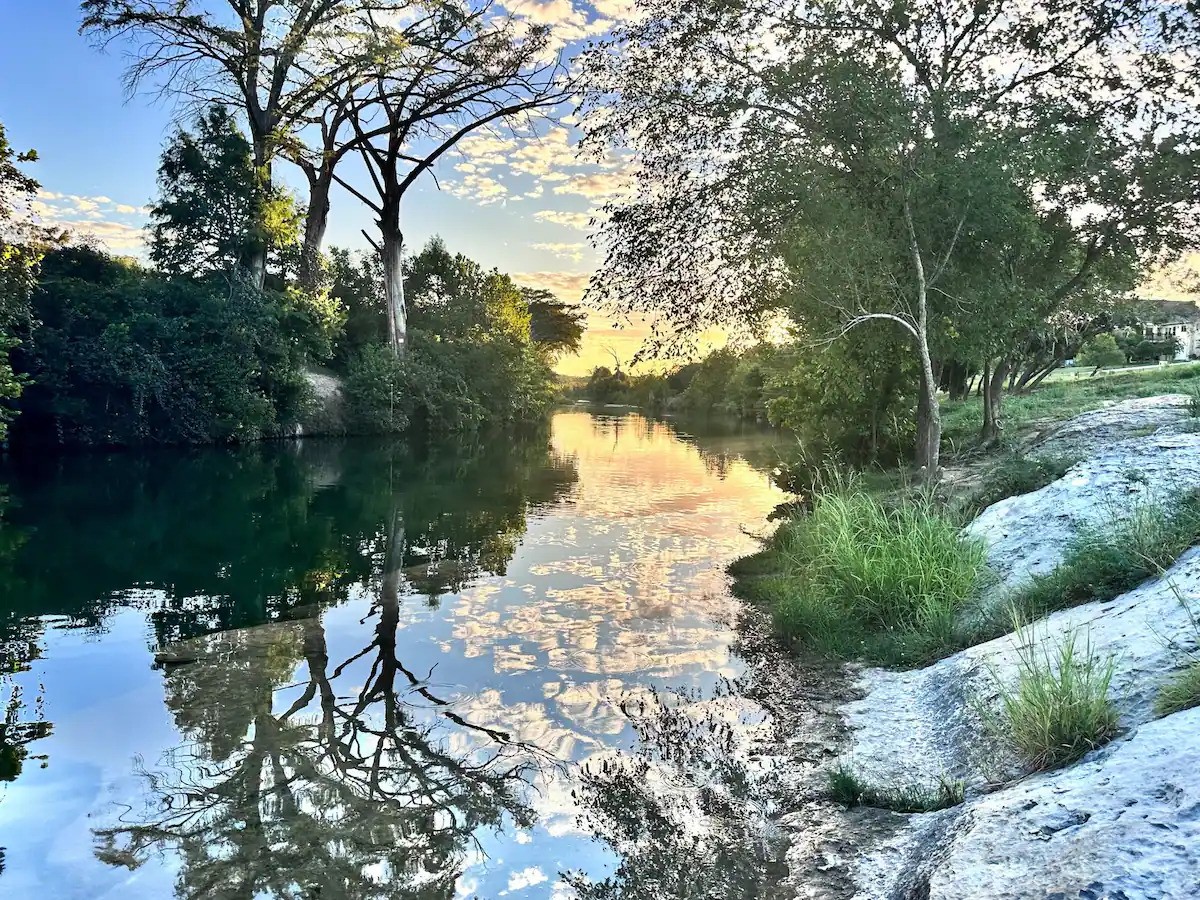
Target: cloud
(480, 188)
(577, 220)
(545, 154)
(595, 185)
(567, 286)
(118, 226)
(526, 878)
(572, 251)
(113, 235)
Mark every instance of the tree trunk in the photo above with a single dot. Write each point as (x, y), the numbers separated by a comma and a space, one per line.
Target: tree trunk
(993, 395)
(393, 278)
(256, 253)
(929, 414)
(315, 222)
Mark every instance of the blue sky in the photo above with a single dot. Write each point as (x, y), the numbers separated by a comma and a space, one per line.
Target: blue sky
(519, 205)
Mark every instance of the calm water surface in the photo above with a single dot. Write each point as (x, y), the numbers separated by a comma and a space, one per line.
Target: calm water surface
(331, 670)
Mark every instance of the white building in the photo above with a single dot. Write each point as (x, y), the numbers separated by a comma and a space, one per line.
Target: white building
(1178, 319)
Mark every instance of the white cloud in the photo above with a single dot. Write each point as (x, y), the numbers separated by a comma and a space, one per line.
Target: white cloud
(568, 286)
(595, 185)
(118, 226)
(480, 188)
(577, 220)
(573, 251)
(526, 878)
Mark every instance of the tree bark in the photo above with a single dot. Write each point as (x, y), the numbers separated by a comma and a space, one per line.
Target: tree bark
(393, 278)
(929, 414)
(993, 395)
(256, 253)
(316, 220)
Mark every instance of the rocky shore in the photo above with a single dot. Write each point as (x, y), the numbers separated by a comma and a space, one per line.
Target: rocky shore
(1124, 822)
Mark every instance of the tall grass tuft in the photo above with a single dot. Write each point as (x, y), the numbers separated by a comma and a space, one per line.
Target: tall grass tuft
(1181, 692)
(1059, 708)
(1102, 563)
(859, 578)
(848, 789)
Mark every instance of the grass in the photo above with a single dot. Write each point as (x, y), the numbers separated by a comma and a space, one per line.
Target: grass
(1059, 708)
(859, 578)
(1104, 563)
(1063, 399)
(1181, 692)
(848, 789)
(1013, 475)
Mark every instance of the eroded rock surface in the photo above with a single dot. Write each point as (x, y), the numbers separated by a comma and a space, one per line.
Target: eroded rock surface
(1122, 823)
(1095, 431)
(1028, 534)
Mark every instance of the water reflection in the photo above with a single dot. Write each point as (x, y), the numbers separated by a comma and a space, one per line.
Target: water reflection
(376, 675)
(334, 796)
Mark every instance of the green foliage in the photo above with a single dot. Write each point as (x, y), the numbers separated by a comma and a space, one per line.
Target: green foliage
(556, 326)
(848, 789)
(855, 398)
(1059, 708)
(356, 284)
(21, 250)
(1065, 397)
(1100, 351)
(1105, 562)
(375, 392)
(858, 578)
(1014, 474)
(216, 209)
(124, 356)
(1181, 692)
(470, 362)
(606, 386)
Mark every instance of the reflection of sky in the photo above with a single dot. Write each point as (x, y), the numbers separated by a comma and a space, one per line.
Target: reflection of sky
(614, 591)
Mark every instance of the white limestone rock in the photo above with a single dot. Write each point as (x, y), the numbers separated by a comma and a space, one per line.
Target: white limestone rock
(1028, 534)
(1095, 431)
(1123, 823)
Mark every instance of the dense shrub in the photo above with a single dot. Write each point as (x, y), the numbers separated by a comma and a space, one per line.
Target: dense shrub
(123, 356)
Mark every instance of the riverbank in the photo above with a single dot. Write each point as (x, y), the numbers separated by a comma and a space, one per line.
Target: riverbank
(1118, 813)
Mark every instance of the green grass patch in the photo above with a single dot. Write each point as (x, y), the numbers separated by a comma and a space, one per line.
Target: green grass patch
(1013, 475)
(846, 788)
(1181, 692)
(860, 578)
(1102, 563)
(1062, 398)
(1059, 708)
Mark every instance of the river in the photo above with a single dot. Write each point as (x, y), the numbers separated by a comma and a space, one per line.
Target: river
(336, 670)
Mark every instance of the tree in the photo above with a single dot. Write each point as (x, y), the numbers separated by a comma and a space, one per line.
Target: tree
(860, 164)
(556, 326)
(21, 248)
(428, 82)
(1099, 352)
(215, 212)
(251, 55)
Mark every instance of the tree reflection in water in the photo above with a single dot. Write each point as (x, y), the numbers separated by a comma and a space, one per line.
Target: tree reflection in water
(686, 817)
(334, 796)
(366, 784)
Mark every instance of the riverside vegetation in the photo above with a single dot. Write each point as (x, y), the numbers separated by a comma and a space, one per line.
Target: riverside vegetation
(892, 578)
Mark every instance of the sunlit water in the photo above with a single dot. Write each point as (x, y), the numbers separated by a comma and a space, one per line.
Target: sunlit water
(501, 673)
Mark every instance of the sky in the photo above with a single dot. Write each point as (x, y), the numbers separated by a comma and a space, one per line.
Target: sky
(521, 205)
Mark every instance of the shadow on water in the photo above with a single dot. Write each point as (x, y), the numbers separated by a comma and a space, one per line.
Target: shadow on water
(573, 722)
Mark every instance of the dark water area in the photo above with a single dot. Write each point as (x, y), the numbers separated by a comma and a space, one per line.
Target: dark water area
(332, 669)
